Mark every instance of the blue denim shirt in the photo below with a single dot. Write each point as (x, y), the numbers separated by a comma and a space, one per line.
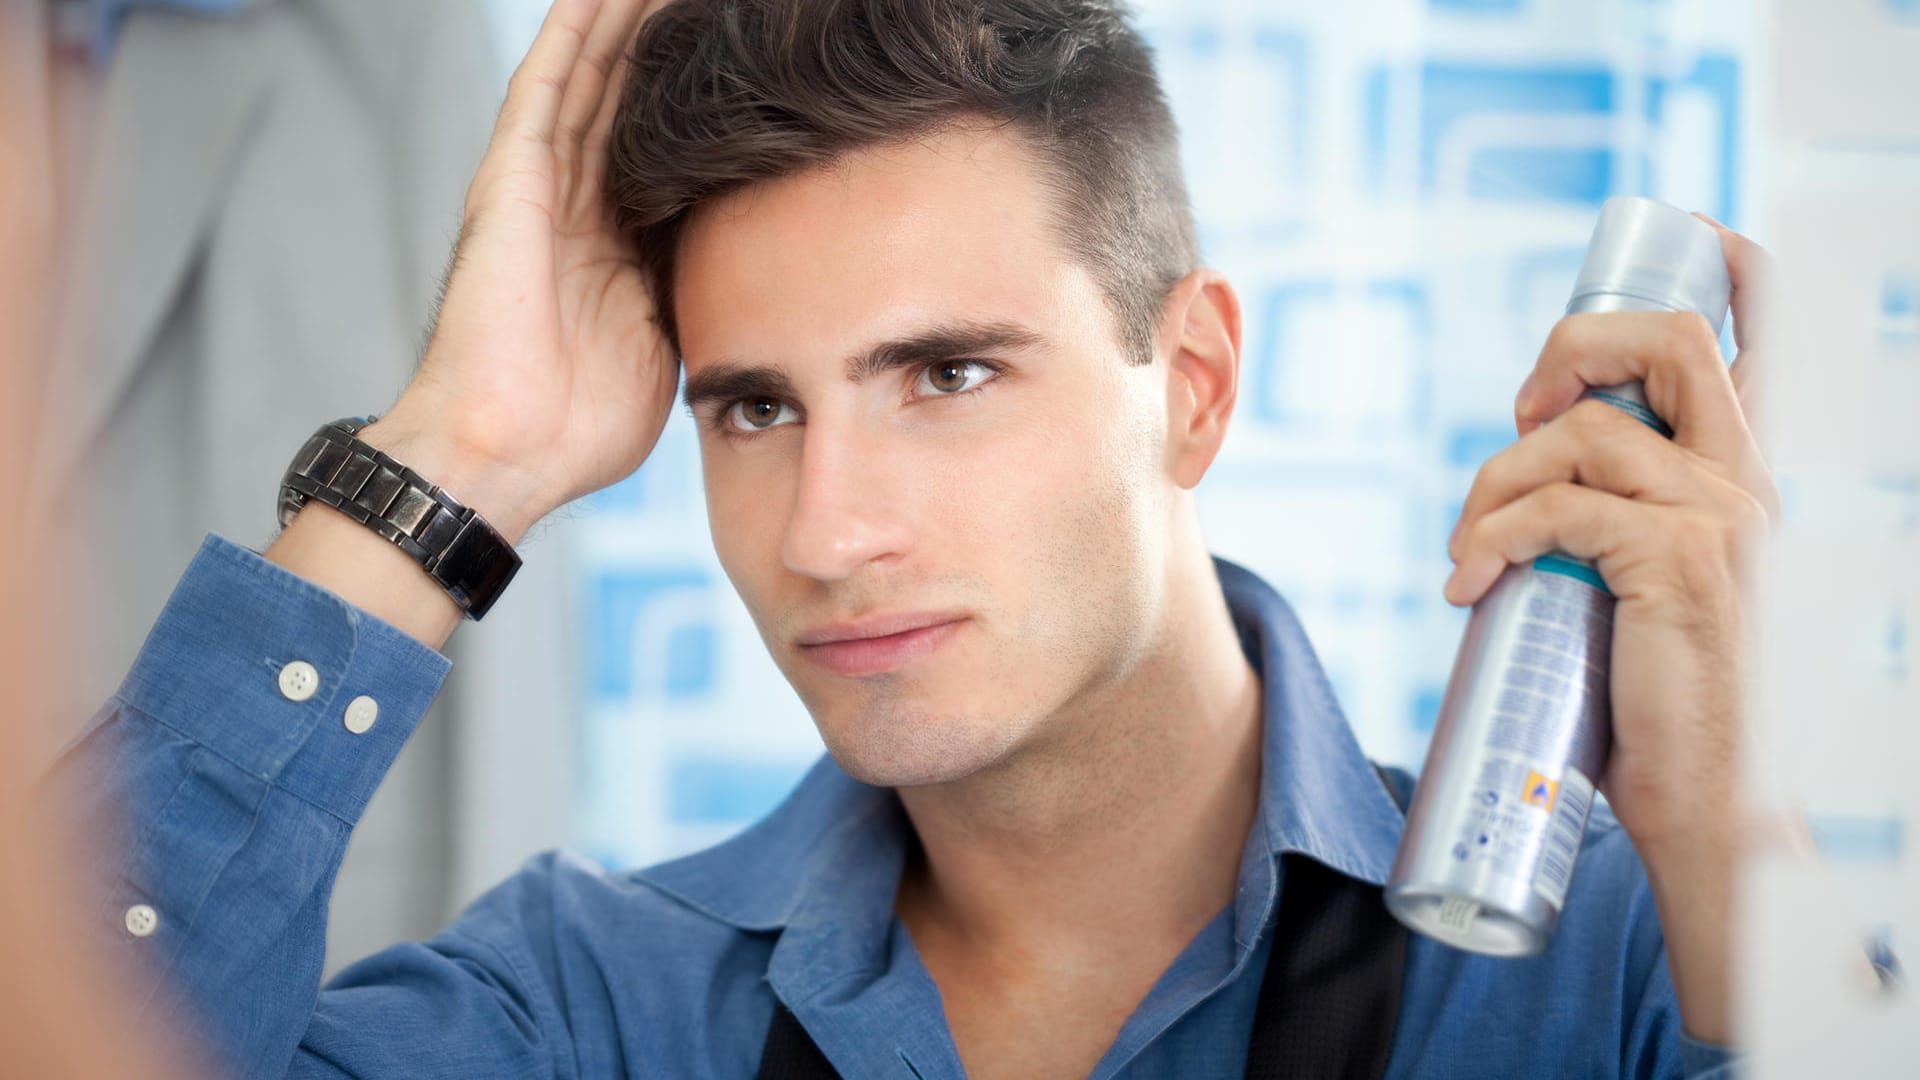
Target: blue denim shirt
(238, 799)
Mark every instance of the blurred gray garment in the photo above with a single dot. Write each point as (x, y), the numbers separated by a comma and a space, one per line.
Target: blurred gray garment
(260, 206)
(102, 18)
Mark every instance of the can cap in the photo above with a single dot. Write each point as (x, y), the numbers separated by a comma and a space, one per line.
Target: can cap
(1657, 253)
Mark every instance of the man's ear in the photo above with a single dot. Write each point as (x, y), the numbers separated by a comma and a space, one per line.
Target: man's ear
(1200, 340)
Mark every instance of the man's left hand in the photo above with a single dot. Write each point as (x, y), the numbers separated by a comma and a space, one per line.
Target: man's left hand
(1674, 528)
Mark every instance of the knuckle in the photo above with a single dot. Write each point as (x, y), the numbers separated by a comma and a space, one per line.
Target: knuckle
(600, 62)
(1701, 554)
(1675, 333)
(1751, 521)
(1559, 498)
(1567, 336)
(1482, 535)
(1496, 474)
(526, 79)
(1590, 419)
(1689, 335)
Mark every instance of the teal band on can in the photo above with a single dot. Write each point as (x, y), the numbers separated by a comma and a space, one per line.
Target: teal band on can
(1634, 409)
(1573, 568)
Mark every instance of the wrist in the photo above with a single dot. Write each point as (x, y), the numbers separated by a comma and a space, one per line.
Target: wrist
(507, 496)
(1692, 876)
(1679, 853)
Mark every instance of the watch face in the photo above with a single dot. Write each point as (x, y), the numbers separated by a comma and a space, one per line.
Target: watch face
(476, 567)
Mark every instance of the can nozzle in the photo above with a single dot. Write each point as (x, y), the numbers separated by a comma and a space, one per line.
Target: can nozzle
(1657, 253)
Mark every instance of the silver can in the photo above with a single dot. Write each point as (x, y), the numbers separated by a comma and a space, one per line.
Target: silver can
(1501, 806)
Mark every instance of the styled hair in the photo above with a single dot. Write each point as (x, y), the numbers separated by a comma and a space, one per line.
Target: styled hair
(727, 93)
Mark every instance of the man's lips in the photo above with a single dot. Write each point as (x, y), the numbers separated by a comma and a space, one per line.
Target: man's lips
(879, 644)
(885, 624)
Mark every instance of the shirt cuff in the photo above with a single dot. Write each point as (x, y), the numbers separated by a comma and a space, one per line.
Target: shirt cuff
(1705, 1060)
(223, 667)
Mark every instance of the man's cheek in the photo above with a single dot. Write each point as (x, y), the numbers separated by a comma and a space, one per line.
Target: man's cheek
(746, 540)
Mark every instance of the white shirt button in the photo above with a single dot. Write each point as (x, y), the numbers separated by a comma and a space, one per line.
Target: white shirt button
(298, 681)
(361, 713)
(142, 920)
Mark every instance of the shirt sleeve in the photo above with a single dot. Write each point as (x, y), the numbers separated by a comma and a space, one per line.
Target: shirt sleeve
(233, 763)
(1706, 1061)
(1653, 1029)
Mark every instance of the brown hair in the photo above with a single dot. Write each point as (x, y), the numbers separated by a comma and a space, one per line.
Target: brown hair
(727, 93)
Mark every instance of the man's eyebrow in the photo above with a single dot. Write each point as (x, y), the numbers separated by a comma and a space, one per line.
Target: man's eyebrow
(729, 381)
(947, 341)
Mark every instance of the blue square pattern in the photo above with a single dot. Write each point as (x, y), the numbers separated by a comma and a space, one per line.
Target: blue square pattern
(1423, 708)
(1479, 7)
(1858, 838)
(1903, 488)
(1539, 281)
(1289, 53)
(651, 635)
(1895, 638)
(1529, 131)
(1230, 142)
(1900, 310)
(1428, 527)
(666, 485)
(1510, 164)
(1470, 445)
(727, 790)
(1385, 303)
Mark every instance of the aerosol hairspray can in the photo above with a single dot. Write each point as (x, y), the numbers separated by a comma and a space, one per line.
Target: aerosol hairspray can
(1500, 809)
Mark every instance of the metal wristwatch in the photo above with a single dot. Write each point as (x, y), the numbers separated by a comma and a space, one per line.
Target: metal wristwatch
(451, 542)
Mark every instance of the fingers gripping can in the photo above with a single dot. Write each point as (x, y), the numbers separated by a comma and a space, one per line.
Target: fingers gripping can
(1501, 806)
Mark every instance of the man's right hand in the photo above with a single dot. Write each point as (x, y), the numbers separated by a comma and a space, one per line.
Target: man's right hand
(546, 377)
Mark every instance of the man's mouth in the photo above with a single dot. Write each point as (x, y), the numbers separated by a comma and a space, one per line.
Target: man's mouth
(877, 644)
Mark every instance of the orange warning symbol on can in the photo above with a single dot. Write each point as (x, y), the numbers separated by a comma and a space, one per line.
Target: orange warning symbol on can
(1539, 791)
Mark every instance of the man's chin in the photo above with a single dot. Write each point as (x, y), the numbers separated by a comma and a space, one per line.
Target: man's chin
(909, 753)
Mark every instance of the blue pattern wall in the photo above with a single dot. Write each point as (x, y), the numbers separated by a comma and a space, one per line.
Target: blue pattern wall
(1400, 191)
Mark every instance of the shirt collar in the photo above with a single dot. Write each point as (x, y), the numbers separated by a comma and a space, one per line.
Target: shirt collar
(828, 859)
(1319, 795)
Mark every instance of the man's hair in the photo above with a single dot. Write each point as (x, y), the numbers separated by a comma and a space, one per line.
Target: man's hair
(728, 93)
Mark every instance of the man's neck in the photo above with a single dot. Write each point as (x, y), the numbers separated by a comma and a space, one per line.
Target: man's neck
(1127, 824)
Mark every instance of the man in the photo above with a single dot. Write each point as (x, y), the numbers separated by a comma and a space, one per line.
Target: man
(928, 267)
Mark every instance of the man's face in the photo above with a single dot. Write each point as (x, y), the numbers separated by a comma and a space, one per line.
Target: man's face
(992, 462)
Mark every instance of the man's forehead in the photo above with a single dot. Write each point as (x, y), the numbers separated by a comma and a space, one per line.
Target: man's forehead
(884, 245)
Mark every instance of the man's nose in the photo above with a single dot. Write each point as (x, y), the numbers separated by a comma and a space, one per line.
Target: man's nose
(848, 510)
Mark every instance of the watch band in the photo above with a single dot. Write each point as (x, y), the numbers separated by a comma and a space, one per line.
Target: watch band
(451, 542)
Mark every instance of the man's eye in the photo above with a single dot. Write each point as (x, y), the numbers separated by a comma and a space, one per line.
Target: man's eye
(949, 377)
(758, 414)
